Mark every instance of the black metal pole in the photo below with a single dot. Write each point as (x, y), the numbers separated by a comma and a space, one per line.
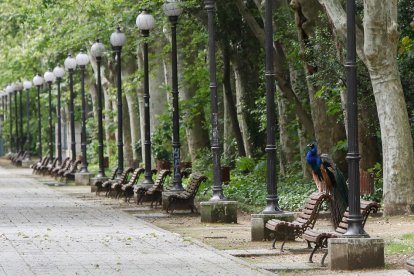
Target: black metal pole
(72, 116)
(59, 122)
(16, 123)
(21, 120)
(101, 171)
(119, 105)
(147, 127)
(39, 125)
(177, 184)
(84, 168)
(50, 122)
(272, 205)
(28, 157)
(355, 228)
(11, 123)
(215, 139)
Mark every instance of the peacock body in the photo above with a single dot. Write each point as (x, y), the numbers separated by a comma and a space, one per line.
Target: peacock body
(329, 179)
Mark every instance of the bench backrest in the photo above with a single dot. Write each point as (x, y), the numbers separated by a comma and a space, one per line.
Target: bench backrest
(124, 176)
(193, 185)
(114, 172)
(311, 209)
(135, 176)
(367, 207)
(159, 182)
(74, 166)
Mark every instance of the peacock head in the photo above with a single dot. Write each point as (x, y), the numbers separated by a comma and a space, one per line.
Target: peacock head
(312, 147)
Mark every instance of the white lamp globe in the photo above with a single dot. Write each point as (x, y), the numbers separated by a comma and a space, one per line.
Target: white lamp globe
(145, 21)
(49, 77)
(82, 59)
(97, 49)
(14, 87)
(27, 84)
(9, 89)
(38, 80)
(70, 63)
(18, 86)
(118, 38)
(58, 72)
(172, 8)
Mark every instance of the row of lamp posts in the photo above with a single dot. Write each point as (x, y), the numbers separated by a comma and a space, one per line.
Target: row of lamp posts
(145, 23)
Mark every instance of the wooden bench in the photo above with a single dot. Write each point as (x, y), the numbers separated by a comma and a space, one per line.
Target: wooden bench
(153, 193)
(107, 185)
(127, 190)
(117, 187)
(61, 166)
(45, 169)
(99, 183)
(185, 200)
(410, 265)
(40, 163)
(61, 171)
(320, 239)
(70, 174)
(305, 220)
(19, 159)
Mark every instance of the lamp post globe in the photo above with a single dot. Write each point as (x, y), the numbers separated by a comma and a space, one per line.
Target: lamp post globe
(82, 60)
(172, 9)
(59, 72)
(70, 66)
(146, 22)
(118, 39)
(27, 85)
(97, 51)
(49, 79)
(38, 82)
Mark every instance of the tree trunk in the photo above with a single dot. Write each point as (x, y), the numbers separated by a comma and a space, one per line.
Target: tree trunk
(240, 91)
(231, 107)
(327, 129)
(128, 151)
(378, 50)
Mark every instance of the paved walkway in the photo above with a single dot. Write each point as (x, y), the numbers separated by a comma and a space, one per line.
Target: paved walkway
(45, 232)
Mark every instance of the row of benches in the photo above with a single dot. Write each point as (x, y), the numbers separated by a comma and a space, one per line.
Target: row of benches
(126, 186)
(65, 171)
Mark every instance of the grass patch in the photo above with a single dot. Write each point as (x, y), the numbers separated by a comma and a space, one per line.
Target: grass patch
(404, 246)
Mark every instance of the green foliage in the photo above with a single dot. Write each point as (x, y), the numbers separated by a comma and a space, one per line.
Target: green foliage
(400, 246)
(161, 138)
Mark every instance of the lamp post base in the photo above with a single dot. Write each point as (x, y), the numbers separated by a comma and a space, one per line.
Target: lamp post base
(82, 179)
(218, 211)
(355, 254)
(258, 221)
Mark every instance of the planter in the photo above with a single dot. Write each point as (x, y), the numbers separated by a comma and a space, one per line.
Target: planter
(163, 165)
(225, 174)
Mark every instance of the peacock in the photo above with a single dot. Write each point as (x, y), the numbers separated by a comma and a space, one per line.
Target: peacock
(329, 179)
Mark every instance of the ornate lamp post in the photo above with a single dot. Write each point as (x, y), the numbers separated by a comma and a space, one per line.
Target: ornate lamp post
(215, 139)
(59, 72)
(117, 41)
(97, 51)
(145, 22)
(38, 81)
(272, 205)
(16, 118)
(9, 92)
(355, 229)
(19, 88)
(82, 60)
(27, 86)
(173, 10)
(70, 65)
(49, 78)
